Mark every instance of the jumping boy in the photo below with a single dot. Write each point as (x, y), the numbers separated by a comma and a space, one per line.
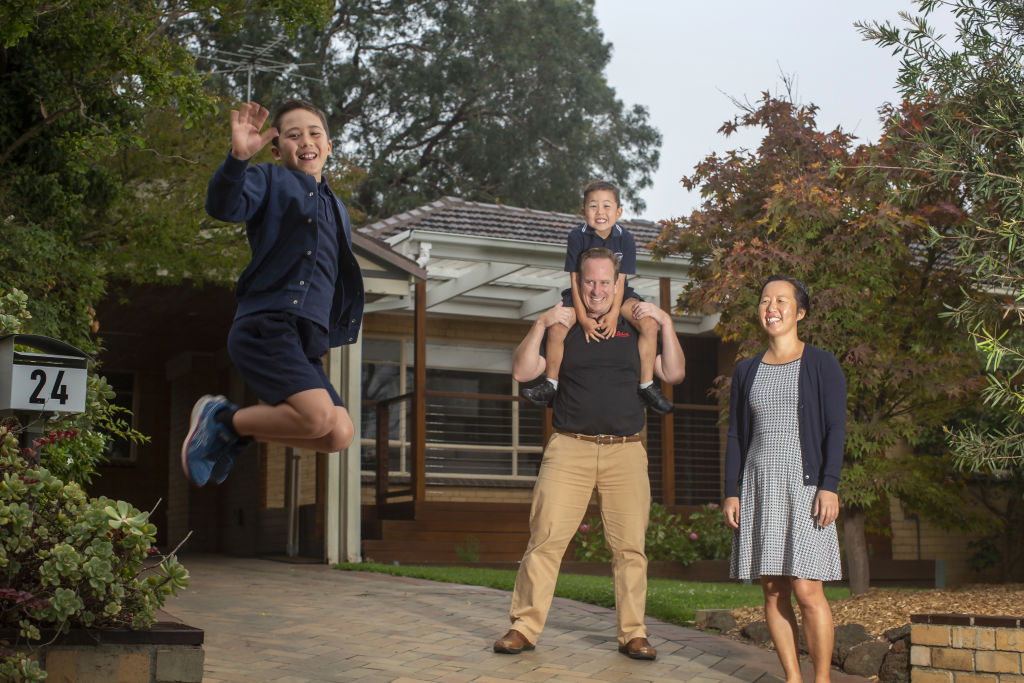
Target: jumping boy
(602, 210)
(301, 293)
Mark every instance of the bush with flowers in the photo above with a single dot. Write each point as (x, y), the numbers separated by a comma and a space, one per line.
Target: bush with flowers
(68, 560)
(702, 536)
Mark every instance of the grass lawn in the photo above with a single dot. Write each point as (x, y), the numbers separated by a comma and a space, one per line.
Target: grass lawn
(668, 600)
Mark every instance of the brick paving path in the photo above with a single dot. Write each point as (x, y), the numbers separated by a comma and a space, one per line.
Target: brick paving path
(277, 621)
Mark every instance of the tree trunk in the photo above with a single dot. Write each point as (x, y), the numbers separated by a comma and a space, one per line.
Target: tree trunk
(856, 550)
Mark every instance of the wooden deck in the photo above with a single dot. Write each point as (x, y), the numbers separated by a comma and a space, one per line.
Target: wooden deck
(424, 531)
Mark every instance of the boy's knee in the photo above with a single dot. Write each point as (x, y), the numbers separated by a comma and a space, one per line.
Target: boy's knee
(340, 437)
(319, 422)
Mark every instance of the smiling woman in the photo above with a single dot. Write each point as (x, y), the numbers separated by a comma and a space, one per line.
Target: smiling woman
(785, 448)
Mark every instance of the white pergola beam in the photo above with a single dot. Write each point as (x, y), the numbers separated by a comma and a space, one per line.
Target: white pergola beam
(476, 276)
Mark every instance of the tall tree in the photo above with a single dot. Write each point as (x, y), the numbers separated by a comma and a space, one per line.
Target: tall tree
(491, 100)
(798, 205)
(972, 86)
(975, 91)
(77, 81)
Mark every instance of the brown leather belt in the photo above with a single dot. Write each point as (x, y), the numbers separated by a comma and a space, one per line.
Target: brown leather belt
(603, 439)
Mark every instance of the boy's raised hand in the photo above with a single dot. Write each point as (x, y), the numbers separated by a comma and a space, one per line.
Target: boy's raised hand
(246, 138)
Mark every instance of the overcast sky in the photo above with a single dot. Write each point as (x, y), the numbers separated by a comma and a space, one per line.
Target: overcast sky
(684, 59)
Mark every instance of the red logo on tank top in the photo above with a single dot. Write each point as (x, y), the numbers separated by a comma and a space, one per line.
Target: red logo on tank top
(620, 333)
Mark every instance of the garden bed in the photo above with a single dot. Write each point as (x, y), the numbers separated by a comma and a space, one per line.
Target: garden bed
(167, 651)
(881, 609)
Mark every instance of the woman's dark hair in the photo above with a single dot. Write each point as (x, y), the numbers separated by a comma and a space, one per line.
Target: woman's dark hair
(803, 297)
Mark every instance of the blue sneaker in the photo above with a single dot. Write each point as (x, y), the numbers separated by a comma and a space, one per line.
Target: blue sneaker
(207, 440)
(226, 461)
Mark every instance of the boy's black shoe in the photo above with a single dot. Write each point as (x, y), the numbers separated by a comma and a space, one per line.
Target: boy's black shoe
(653, 397)
(542, 394)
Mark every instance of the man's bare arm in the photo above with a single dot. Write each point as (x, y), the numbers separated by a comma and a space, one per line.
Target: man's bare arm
(527, 363)
(670, 365)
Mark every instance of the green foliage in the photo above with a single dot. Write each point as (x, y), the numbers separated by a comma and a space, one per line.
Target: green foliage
(714, 538)
(802, 204)
(964, 135)
(80, 84)
(67, 560)
(13, 311)
(489, 100)
(667, 599)
(589, 542)
(19, 669)
(703, 536)
(470, 552)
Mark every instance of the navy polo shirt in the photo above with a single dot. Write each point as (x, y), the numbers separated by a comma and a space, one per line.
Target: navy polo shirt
(619, 240)
(317, 304)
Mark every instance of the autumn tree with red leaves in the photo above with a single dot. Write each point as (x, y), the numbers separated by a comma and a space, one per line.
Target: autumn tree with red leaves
(799, 205)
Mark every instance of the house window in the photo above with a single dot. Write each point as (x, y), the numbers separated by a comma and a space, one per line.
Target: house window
(475, 427)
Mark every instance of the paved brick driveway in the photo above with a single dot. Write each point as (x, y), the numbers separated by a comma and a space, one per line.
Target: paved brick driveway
(277, 621)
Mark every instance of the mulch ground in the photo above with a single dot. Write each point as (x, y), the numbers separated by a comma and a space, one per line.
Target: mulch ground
(881, 609)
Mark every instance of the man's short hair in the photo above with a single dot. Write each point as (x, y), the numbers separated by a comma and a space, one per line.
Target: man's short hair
(292, 105)
(596, 186)
(598, 252)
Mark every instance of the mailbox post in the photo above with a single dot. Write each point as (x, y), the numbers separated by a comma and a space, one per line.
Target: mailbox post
(50, 380)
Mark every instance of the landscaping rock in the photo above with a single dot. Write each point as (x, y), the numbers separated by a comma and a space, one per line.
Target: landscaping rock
(866, 659)
(847, 637)
(757, 632)
(720, 620)
(896, 665)
(898, 633)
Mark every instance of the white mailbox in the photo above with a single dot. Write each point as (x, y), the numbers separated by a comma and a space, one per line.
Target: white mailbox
(50, 381)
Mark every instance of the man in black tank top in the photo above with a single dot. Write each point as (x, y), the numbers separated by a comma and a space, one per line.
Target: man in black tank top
(598, 416)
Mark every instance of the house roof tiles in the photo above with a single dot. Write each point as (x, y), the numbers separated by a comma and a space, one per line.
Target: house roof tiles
(460, 217)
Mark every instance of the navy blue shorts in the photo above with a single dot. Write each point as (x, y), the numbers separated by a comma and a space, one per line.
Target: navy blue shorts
(280, 354)
(628, 294)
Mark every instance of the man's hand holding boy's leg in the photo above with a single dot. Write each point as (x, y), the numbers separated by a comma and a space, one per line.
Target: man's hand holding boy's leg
(246, 139)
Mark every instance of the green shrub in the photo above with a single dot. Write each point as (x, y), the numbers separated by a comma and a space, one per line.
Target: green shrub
(713, 538)
(590, 544)
(669, 538)
(68, 560)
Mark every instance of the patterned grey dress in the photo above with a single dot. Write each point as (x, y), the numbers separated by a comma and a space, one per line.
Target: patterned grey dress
(777, 534)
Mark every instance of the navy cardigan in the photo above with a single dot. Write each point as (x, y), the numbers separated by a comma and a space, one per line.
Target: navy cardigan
(279, 207)
(821, 412)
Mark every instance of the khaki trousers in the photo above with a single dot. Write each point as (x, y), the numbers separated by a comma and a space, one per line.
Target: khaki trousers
(569, 472)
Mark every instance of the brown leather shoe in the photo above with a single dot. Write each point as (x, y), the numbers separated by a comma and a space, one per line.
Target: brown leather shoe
(512, 643)
(638, 648)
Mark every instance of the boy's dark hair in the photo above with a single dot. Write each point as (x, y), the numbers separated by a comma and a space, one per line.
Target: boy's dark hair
(292, 105)
(598, 252)
(597, 185)
(803, 296)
